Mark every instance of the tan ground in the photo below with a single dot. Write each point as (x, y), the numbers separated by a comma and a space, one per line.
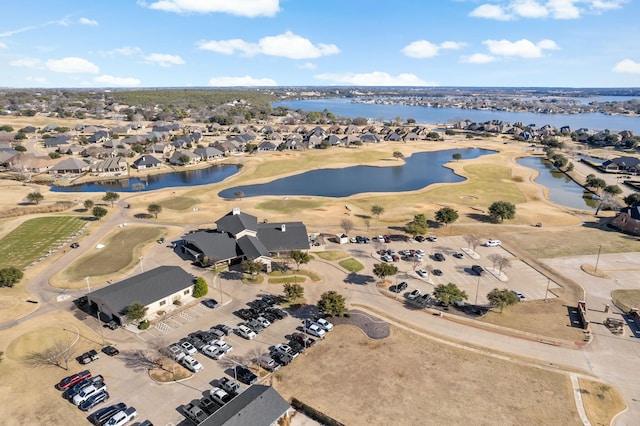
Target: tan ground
(413, 381)
(600, 401)
(18, 380)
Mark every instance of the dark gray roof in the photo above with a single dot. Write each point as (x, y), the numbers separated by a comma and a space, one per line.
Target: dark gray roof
(235, 223)
(258, 405)
(633, 210)
(214, 245)
(252, 247)
(145, 288)
(294, 237)
(146, 160)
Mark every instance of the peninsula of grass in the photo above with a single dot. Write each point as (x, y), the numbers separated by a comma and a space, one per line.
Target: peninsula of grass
(601, 401)
(289, 206)
(34, 238)
(332, 255)
(351, 265)
(178, 203)
(626, 299)
(252, 279)
(292, 273)
(120, 252)
(287, 280)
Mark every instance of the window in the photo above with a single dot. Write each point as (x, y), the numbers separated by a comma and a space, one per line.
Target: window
(186, 291)
(163, 302)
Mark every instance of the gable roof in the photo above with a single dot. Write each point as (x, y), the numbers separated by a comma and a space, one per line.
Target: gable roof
(214, 245)
(257, 405)
(252, 247)
(71, 164)
(145, 288)
(236, 221)
(633, 210)
(146, 160)
(294, 236)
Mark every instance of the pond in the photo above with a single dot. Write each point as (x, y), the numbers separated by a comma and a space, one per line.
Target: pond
(562, 190)
(194, 177)
(417, 171)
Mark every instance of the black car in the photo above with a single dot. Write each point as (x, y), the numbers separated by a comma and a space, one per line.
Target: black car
(104, 414)
(477, 269)
(245, 375)
(419, 238)
(271, 299)
(74, 245)
(278, 312)
(94, 400)
(458, 255)
(437, 272)
(296, 346)
(271, 317)
(210, 303)
(112, 325)
(259, 305)
(247, 314)
(281, 358)
(438, 257)
(399, 287)
(110, 350)
(224, 328)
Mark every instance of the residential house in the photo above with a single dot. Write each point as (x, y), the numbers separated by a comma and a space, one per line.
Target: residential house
(267, 146)
(334, 140)
(351, 129)
(332, 130)
(178, 158)
(99, 136)
(392, 137)
(160, 148)
(209, 153)
(411, 136)
(370, 138)
(111, 165)
(70, 166)
(57, 141)
(147, 162)
(622, 164)
(628, 219)
(227, 147)
(71, 149)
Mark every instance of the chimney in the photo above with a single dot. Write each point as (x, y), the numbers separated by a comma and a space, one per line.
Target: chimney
(235, 211)
(283, 227)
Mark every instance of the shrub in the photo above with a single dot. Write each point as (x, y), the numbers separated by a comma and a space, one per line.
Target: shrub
(177, 302)
(144, 325)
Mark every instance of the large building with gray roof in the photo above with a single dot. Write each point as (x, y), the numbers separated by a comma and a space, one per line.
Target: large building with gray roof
(257, 405)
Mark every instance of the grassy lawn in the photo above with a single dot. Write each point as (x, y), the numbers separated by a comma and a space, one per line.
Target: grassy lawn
(33, 239)
(601, 401)
(292, 273)
(248, 279)
(120, 252)
(626, 299)
(178, 203)
(539, 317)
(473, 388)
(351, 265)
(285, 280)
(332, 255)
(289, 206)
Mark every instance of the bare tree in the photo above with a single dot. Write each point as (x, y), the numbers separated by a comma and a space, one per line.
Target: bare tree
(468, 238)
(503, 262)
(415, 262)
(475, 242)
(367, 223)
(56, 355)
(140, 359)
(346, 225)
(494, 258)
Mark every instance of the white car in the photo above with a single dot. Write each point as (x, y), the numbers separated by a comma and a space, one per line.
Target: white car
(405, 252)
(380, 239)
(188, 348)
(353, 240)
(87, 392)
(263, 322)
(414, 294)
(315, 330)
(519, 295)
(220, 396)
(191, 363)
(285, 349)
(387, 258)
(493, 243)
(122, 417)
(246, 332)
(176, 352)
(419, 252)
(222, 345)
(422, 273)
(213, 352)
(326, 325)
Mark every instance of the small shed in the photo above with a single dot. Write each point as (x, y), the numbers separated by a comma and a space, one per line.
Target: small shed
(343, 239)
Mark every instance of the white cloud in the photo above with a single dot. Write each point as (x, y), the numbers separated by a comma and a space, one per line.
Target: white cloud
(248, 8)
(529, 9)
(425, 49)
(308, 66)
(72, 65)
(490, 11)
(478, 58)
(522, 48)
(627, 66)
(40, 80)
(111, 81)
(87, 21)
(240, 81)
(122, 51)
(563, 9)
(376, 78)
(164, 59)
(287, 45)
(2, 45)
(25, 62)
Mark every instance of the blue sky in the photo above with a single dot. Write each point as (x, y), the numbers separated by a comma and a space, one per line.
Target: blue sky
(178, 43)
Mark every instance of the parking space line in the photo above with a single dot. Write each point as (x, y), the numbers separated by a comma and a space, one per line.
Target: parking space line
(185, 316)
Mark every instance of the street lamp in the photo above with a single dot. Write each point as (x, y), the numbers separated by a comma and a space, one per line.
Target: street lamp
(88, 287)
(597, 259)
(477, 289)
(140, 260)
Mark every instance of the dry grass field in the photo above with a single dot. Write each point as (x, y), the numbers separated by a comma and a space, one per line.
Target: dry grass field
(409, 380)
(600, 401)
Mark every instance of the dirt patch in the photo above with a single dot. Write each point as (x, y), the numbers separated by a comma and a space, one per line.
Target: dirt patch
(170, 371)
(591, 270)
(351, 377)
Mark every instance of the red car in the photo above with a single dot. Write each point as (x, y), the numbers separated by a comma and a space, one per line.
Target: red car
(67, 382)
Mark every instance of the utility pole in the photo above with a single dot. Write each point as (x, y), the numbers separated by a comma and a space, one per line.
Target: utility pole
(88, 287)
(477, 290)
(598, 258)
(547, 291)
(140, 260)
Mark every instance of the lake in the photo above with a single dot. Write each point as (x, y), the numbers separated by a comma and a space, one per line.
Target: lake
(417, 171)
(194, 177)
(422, 114)
(562, 190)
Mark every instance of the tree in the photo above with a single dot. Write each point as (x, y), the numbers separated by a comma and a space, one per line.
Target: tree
(20, 148)
(502, 298)
(293, 291)
(472, 240)
(383, 270)
(501, 210)
(10, 276)
(154, 209)
(418, 225)
(632, 198)
(449, 293)
(367, 223)
(99, 212)
(111, 197)
(184, 159)
(612, 190)
(136, 311)
(377, 210)
(57, 355)
(503, 262)
(446, 215)
(332, 303)
(35, 197)
(88, 204)
(398, 155)
(300, 257)
(346, 225)
(457, 156)
(200, 288)
(252, 267)
(238, 195)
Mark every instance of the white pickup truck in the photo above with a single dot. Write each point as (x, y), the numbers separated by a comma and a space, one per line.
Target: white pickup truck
(122, 417)
(87, 392)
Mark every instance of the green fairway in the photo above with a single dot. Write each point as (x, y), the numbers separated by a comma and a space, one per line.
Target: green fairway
(35, 237)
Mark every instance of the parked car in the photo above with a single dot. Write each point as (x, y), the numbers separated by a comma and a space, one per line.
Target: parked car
(69, 381)
(210, 303)
(191, 364)
(245, 375)
(246, 332)
(493, 243)
(458, 255)
(419, 252)
(69, 393)
(110, 350)
(397, 288)
(213, 352)
(285, 349)
(255, 325)
(112, 325)
(222, 345)
(197, 342)
(74, 245)
(414, 294)
(297, 346)
(419, 238)
(161, 240)
(387, 258)
(437, 272)
(326, 325)
(94, 400)
(268, 363)
(220, 395)
(303, 339)
(314, 330)
(519, 295)
(217, 334)
(122, 417)
(230, 385)
(188, 348)
(380, 239)
(477, 269)
(247, 314)
(282, 359)
(432, 238)
(422, 273)
(102, 415)
(176, 352)
(263, 321)
(88, 391)
(224, 328)
(271, 299)
(439, 257)
(88, 357)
